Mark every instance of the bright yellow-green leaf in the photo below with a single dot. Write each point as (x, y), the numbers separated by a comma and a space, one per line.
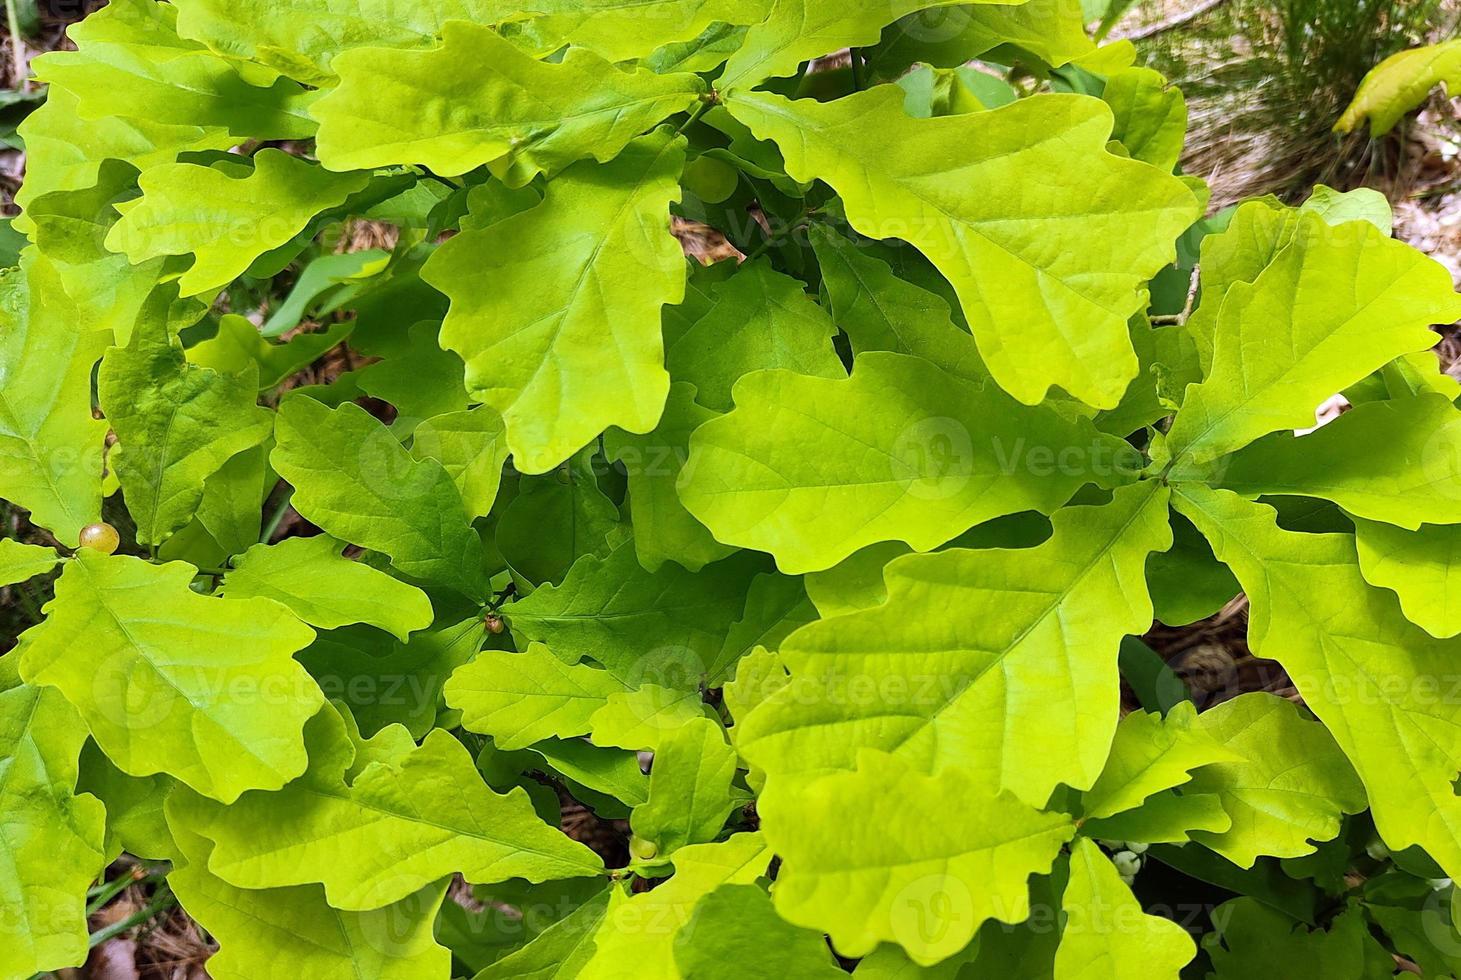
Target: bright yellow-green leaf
(51, 837)
(1376, 681)
(1419, 567)
(1151, 753)
(478, 99)
(556, 310)
(878, 878)
(375, 821)
(522, 698)
(1107, 935)
(1399, 84)
(1335, 304)
(50, 446)
(169, 681)
(325, 589)
(904, 452)
(952, 187)
(225, 222)
(954, 670)
(19, 562)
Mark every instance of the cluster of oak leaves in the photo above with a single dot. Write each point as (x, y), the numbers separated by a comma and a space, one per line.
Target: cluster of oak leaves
(847, 536)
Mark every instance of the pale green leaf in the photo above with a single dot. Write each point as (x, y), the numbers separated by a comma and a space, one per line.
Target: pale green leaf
(1360, 204)
(795, 31)
(50, 446)
(300, 37)
(1375, 680)
(130, 62)
(1399, 84)
(621, 30)
(663, 529)
(689, 788)
(470, 446)
(876, 879)
(556, 310)
(375, 823)
(176, 423)
(954, 191)
(169, 681)
(1335, 304)
(134, 804)
(637, 936)
(285, 933)
(1151, 116)
(1054, 31)
(759, 675)
(225, 222)
(326, 589)
(1393, 461)
(644, 717)
(1151, 753)
(879, 311)
(51, 837)
(1107, 935)
(776, 606)
(904, 452)
(1418, 566)
(760, 319)
(956, 665)
(19, 561)
(478, 99)
(663, 627)
(1290, 784)
(522, 698)
(238, 343)
(353, 479)
(558, 952)
(1167, 818)
(856, 582)
(736, 933)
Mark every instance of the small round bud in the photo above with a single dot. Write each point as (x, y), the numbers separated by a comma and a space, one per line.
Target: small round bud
(100, 537)
(1126, 863)
(1135, 847)
(493, 624)
(1377, 849)
(641, 849)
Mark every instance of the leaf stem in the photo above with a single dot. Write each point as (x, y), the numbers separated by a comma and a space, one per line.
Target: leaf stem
(277, 518)
(695, 115)
(859, 69)
(161, 902)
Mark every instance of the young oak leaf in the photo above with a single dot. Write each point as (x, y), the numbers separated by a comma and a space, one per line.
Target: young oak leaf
(478, 99)
(962, 649)
(1059, 314)
(225, 222)
(176, 423)
(50, 445)
(1369, 675)
(794, 31)
(1151, 753)
(169, 681)
(353, 478)
(643, 718)
(735, 932)
(1251, 936)
(377, 820)
(906, 452)
(559, 951)
(1289, 786)
(1395, 461)
(663, 529)
(1334, 305)
(621, 30)
(760, 319)
(637, 936)
(690, 793)
(52, 837)
(1418, 566)
(534, 294)
(879, 311)
(522, 698)
(300, 38)
(1107, 935)
(285, 933)
(130, 62)
(662, 627)
(472, 447)
(326, 589)
(1052, 30)
(878, 877)
(20, 562)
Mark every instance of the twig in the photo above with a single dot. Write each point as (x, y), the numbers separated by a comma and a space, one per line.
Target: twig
(1175, 21)
(17, 45)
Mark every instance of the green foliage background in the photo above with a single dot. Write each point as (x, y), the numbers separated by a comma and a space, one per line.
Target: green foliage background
(801, 586)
